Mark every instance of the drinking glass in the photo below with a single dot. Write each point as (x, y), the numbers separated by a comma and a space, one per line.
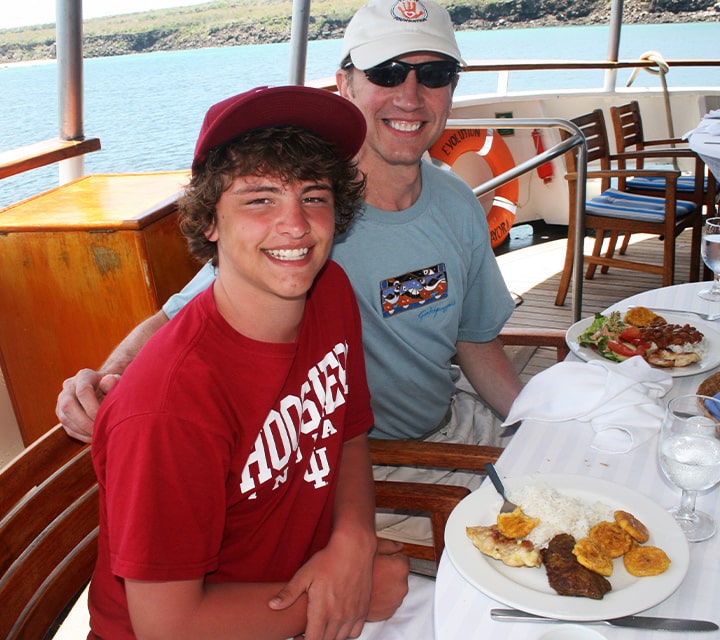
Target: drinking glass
(689, 454)
(711, 256)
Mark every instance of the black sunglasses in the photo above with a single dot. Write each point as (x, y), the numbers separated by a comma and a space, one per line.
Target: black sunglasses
(435, 74)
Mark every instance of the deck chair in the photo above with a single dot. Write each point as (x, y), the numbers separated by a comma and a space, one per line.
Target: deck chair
(616, 211)
(629, 137)
(49, 522)
(48, 529)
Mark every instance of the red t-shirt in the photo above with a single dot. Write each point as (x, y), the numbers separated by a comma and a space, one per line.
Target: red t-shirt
(217, 455)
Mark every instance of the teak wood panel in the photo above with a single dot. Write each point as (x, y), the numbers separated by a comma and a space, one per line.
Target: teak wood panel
(68, 296)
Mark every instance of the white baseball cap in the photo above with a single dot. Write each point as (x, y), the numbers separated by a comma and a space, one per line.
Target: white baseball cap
(386, 29)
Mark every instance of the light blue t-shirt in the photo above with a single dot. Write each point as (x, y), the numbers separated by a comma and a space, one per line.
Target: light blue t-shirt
(425, 278)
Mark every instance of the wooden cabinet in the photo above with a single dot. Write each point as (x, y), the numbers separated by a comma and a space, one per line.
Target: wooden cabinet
(80, 266)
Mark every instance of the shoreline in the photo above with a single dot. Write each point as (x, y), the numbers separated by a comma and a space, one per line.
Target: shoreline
(545, 23)
(27, 63)
(149, 40)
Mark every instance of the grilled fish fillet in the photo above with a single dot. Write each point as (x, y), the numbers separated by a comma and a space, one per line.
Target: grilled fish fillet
(514, 553)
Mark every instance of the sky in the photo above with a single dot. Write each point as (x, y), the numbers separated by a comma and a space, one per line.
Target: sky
(23, 13)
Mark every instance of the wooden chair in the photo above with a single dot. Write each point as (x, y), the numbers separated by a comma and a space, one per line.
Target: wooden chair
(49, 522)
(630, 137)
(616, 210)
(49, 513)
(48, 529)
(438, 501)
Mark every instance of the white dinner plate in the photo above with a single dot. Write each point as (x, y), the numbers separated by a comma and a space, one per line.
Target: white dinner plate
(709, 361)
(527, 588)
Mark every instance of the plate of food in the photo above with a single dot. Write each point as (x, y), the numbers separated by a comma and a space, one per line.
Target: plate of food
(680, 345)
(519, 572)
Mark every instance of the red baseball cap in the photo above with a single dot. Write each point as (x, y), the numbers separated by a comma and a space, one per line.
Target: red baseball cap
(330, 116)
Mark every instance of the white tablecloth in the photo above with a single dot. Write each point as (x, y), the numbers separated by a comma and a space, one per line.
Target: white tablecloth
(707, 146)
(462, 611)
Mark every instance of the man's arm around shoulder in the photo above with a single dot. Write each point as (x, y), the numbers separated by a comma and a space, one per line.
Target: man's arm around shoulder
(80, 398)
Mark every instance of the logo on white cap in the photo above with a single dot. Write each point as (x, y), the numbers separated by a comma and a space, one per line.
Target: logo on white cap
(409, 11)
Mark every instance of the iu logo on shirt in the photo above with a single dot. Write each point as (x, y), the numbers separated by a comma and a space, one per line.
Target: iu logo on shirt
(300, 425)
(409, 11)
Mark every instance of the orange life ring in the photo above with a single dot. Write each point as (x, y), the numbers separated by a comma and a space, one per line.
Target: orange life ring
(488, 144)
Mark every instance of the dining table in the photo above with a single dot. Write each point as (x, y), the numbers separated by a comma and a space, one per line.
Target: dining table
(462, 609)
(705, 141)
(707, 146)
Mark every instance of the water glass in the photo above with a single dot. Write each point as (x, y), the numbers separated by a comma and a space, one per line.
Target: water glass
(711, 256)
(689, 455)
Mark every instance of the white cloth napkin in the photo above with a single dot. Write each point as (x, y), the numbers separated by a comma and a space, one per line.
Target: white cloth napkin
(710, 123)
(621, 401)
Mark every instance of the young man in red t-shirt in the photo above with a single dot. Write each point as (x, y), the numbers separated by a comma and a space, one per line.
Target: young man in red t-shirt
(236, 495)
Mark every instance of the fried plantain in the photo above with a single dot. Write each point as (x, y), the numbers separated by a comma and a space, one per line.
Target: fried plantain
(642, 317)
(637, 530)
(611, 538)
(592, 557)
(646, 561)
(516, 524)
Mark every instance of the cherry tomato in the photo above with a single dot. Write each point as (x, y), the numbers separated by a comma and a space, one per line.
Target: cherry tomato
(630, 334)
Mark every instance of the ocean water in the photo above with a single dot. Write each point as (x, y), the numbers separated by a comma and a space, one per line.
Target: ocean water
(147, 108)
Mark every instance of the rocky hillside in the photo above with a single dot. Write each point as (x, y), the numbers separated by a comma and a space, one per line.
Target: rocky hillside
(148, 32)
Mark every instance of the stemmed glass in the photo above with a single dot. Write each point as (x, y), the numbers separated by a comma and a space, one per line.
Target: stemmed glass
(689, 454)
(711, 256)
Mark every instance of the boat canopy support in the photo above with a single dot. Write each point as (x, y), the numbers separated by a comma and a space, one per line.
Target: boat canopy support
(68, 27)
(299, 28)
(616, 14)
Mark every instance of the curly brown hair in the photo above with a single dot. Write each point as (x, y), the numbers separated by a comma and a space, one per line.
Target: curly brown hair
(289, 153)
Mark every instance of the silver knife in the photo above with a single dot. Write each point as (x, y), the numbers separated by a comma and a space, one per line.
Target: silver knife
(638, 622)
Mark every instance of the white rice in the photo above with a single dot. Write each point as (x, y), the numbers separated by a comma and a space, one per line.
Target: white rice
(558, 513)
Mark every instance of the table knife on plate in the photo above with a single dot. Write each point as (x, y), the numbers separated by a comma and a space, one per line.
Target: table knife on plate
(637, 622)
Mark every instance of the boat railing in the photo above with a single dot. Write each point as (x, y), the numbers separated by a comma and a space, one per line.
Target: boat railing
(506, 67)
(39, 154)
(575, 142)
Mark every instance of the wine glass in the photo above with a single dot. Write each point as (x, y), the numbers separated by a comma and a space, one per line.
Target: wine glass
(711, 256)
(689, 454)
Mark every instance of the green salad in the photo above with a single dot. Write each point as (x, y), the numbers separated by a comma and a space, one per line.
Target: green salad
(612, 338)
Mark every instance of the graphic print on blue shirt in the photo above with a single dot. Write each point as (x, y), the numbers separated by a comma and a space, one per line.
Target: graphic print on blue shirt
(413, 289)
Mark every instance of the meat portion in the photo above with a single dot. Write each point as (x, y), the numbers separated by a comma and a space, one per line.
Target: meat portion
(566, 575)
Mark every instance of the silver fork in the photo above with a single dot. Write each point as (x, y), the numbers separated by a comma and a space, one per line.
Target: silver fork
(507, 507)
(705, 316)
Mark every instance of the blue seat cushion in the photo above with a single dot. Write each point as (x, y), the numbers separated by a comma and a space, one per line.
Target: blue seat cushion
(685, 184)
(620, 204)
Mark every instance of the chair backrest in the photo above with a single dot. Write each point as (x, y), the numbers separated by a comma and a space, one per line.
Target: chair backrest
(628, 128)
(629, 137)
(592, 126)
(48, 534)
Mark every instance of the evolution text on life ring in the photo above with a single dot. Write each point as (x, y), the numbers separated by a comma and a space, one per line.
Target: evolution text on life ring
(488, 144)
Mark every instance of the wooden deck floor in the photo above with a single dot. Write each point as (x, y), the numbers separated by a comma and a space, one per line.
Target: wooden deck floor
(533, 274)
